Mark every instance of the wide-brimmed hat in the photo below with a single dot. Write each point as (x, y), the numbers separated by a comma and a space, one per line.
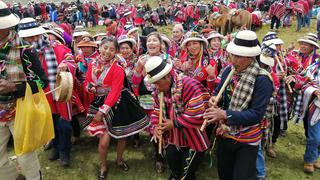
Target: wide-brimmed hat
(214, 34)
(193, 36)
(268, 50)
(310, 38)
(7, 18)
(29, 27)
(165, 39)
(157, 68)
(102, 35)
(272, 37)
(245, 44)
(87, 41)
(58, 32)
(79, 31)
(127, 12)
(130, 28)
(99, 34)
(125, 38)
(64, 84)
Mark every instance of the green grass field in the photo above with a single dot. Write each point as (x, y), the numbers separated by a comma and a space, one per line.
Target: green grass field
(287, 166)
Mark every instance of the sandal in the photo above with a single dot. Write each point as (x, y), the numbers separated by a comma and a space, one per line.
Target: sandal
(159, 166)
(123, 165)
(103, 174)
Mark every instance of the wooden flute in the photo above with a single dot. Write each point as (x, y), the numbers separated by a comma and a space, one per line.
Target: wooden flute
(160, 121)
(226, 82)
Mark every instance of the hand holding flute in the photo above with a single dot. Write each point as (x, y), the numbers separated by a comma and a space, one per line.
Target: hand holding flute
(216, 100)
(282, 71)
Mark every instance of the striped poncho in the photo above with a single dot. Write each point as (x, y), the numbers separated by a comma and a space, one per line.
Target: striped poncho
(185, 105)
(277, 9)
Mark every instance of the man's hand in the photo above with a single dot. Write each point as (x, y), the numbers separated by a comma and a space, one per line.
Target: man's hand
(98, 117)
(290, 79)
(281, 74)
(166, 125)
(215, 115)
(7, 86)
(157, 134)
(213, 102)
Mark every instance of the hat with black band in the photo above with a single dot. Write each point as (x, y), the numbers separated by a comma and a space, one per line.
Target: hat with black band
(157, 68)
(245, 44)
(7, 18)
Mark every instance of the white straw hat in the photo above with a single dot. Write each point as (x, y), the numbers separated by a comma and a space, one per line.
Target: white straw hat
(29, 27)
(194, 36)
(272, 37)
(157, 68)
(268, 50)
(58, 32)
(125, 38)
(245, 44)
(79, 31)
(7, 18)
(310, 38)
(214, 34)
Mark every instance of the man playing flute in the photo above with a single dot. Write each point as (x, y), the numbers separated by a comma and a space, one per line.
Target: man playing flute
(184, 103)
(244, 104)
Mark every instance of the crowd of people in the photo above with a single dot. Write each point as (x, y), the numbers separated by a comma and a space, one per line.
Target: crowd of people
(189, 92)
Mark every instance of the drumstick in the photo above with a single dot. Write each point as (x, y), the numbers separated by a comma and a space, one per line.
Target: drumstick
(160, 121)
(226, 82)
(282, 70)
(53, 90)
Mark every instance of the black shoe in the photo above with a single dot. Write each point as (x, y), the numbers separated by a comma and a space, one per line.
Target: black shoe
(159, 167)
(21, 177)
(123, 166)
(103, 174)
(64, 159)
(54, 155)
(283, 133)
(48, 146)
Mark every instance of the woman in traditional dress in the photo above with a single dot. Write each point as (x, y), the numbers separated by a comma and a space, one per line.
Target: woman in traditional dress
(142, 90)
(215, 50)
(127, 45)
(115, 112)
(198, 64)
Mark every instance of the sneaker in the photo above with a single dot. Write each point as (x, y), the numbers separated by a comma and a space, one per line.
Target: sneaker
(317, 164)
(308, 167)
(54, 155)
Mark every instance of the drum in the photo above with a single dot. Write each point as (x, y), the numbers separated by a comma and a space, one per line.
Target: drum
(64, 85)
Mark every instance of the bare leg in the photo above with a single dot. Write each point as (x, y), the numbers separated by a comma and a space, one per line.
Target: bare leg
(120, 149)
(103, 150)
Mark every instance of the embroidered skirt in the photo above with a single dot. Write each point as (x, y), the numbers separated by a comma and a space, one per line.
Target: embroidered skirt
(124, 119)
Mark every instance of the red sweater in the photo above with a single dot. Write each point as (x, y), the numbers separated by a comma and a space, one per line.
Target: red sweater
(113, 80)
